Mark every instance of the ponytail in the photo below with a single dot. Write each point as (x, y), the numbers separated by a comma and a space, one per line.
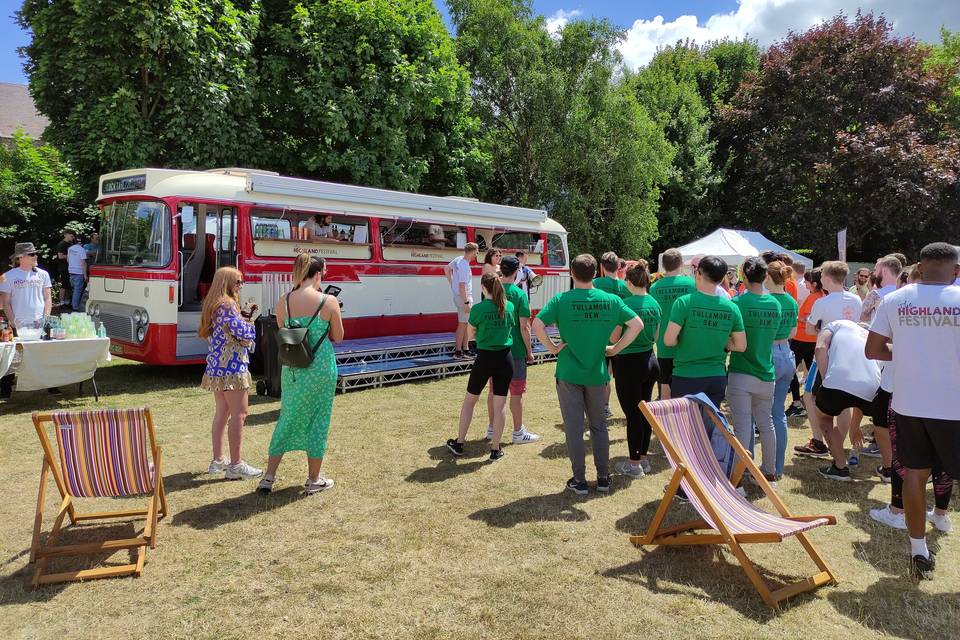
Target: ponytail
(305, 267)
(779, 272)
(491, 282)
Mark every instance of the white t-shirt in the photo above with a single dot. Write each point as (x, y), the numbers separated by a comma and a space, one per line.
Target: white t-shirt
(76, 256)
(460, 272)
(923, 321)
(723, 293)
(26, 292)
(848, 368)
(839, 305)
(802, 292)
(872, 301)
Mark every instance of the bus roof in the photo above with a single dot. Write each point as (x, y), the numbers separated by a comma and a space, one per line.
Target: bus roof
(268, 189)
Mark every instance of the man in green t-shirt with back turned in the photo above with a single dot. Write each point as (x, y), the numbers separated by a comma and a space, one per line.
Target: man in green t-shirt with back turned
(585, 317)
(703, 327)
(666, 291)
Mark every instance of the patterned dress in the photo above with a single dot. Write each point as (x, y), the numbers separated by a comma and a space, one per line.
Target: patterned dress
(307, 398)
(228, 355)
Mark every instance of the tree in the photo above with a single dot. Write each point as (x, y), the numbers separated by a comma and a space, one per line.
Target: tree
(561, 133)
(163, 83)
(40, 195)
(839, 129)
(946, 57)
(366, 92)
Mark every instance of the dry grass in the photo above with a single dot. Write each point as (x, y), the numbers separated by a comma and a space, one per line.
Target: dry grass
(411, 544)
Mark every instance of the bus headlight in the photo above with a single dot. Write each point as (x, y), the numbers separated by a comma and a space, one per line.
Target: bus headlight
(136, 316)
(144, 318)
(141, 333)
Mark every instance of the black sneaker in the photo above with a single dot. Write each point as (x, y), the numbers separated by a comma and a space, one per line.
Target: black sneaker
(921, 568)
(884, 473)
(813, 449)
(496, 454)
(603, 485)
(456, 448)
(458, 355)
(841, 475)
(471, 353)
(791, 411)
(578, 487)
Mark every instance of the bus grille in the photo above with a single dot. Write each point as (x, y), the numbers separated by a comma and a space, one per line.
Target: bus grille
(117, 326)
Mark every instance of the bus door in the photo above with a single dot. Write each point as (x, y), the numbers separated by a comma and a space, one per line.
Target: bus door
(198, 262)
(225, 229)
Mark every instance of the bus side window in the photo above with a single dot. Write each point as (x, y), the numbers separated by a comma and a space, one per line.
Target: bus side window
(555, 253)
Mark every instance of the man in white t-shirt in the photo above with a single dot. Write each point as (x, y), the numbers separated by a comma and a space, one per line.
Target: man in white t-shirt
(24, 295)
(460, 276)
(77, 268)
(320, 228)
(923, 322)
(850, 384)
(838, 304)
(887, 272)
(524, 274)
(435, 237)
(798, 270)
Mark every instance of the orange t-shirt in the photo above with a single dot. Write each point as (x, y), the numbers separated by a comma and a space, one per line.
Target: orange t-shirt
(790, 286)
(805, 308)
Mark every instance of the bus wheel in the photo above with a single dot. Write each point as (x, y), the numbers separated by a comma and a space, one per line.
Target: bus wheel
(261, 388)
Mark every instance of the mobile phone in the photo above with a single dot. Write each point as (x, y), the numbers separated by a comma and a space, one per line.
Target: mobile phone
(332, 290)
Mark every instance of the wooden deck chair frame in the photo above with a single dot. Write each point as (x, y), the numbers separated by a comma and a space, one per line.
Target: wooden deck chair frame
(40, 553)
(682, 534)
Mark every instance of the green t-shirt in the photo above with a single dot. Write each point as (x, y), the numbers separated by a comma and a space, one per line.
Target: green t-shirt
(649, 311)
(612, 285)
(521, 307)
(493, 332)
(707, 322)
(788, 314)
(666, 291)
(585, 318)
(761, 322)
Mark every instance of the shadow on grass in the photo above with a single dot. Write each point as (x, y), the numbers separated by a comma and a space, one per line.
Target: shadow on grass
(446, 470)
(884, 551)
(685, 571)
(259, 419)
(187, 480)
(247, 505)
(813, 485)
(17, 588)
(471, 449)
(920, 615)
(558, 450)
(554, 507)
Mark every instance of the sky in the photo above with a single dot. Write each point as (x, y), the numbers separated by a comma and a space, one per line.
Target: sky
(654, 23)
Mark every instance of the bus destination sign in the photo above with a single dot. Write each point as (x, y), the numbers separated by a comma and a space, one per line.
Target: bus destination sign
(124, 184)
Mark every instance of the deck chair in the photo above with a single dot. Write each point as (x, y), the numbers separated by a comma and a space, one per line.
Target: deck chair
(102, 453)
(727, 517)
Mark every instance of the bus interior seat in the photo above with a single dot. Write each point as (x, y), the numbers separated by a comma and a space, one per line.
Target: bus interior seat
(210, 262)
(192, 269)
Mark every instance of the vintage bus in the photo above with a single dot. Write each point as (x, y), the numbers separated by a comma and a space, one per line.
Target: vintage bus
(164, 233)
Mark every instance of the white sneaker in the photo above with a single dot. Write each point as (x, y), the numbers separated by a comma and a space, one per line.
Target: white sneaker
(645, 465)
(742, 492)
(941, 522)
(626, 469)
(885, 516)
(218, 466)
(265, 485)
(322, 484)
(242, 471)
(489, 432)
(523, 436)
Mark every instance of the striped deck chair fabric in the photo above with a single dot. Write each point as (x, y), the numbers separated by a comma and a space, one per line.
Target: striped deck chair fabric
(104, 453)
(683, 422)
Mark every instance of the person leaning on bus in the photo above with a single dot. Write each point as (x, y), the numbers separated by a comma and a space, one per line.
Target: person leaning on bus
(460, 277)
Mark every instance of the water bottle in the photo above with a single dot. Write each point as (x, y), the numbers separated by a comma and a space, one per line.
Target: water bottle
(854, 459)
(101, 331)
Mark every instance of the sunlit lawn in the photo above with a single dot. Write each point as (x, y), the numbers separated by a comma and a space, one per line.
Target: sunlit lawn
(411, 544)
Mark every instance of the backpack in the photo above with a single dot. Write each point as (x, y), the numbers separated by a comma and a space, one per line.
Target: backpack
(293, 343)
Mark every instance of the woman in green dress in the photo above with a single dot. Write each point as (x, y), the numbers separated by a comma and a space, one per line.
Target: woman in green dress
(307, 398)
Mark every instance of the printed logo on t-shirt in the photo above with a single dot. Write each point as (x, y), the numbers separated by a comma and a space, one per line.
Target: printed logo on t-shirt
(761, 318)
(711, 318)
(591, 311)
(913, 315)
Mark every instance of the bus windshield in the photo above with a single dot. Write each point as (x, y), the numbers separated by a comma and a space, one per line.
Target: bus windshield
(135, 233)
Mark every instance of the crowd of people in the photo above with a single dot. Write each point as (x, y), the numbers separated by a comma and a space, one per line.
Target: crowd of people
(746, 338)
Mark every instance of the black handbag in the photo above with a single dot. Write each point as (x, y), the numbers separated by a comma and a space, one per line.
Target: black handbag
(293, 343)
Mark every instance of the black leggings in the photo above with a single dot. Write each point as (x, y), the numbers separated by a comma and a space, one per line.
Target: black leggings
(636, 375)
(802, 352)
(942, 482)
(491, 364)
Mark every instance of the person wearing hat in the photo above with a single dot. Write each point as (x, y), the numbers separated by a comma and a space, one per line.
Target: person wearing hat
(24, 294)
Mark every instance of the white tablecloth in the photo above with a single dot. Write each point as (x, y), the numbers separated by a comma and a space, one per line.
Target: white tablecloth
(55, 363)
(7, 352)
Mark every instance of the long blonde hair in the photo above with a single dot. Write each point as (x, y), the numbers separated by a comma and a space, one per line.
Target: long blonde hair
(222, 289)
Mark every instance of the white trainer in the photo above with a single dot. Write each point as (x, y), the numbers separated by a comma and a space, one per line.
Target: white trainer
(624, 468)
(523, 436)
(645, 465)
(242, 471)
(218, 466)
(311, 487)
(489, 432)
(885, 516)
(941, 522)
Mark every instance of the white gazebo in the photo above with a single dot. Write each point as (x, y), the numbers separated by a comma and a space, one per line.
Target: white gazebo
(735, 246)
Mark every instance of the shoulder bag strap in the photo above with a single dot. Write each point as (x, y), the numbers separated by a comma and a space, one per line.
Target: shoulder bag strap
(323, 299)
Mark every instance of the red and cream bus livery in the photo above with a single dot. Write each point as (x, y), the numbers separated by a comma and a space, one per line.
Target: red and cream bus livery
(165, 232)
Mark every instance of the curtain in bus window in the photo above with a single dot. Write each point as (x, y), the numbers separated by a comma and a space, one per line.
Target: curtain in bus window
(422, 234)
(555, 253)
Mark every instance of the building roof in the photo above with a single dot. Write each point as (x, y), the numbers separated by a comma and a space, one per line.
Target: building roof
(17, 111)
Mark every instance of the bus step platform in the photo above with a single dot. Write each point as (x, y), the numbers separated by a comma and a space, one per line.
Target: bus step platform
(375, 362)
